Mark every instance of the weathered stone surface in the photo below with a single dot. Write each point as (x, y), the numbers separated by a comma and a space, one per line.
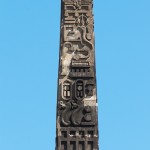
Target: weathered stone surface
(77, 117)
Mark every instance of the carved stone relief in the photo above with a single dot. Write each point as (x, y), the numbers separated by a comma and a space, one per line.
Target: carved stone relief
(77, 100)
(74, 113)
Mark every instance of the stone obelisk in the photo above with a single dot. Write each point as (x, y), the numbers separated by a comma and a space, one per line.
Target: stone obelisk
(77, 116)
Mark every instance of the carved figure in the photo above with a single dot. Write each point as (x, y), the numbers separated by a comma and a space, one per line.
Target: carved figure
(73, 112)
(77, 114)
(65, 117)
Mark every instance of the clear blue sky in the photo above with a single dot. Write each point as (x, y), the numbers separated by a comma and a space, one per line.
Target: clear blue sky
(29, 50)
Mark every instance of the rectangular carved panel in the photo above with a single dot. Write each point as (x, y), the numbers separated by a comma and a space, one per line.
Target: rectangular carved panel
(72, 145)
(81, 145)
(90, 145)
(64, 145)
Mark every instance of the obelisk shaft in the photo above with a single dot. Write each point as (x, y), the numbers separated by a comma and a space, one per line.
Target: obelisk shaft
(77, 116)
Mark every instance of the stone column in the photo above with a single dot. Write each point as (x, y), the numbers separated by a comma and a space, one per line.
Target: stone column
(77, 116)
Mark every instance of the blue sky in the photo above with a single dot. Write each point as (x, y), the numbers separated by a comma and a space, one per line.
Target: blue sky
(29, 50)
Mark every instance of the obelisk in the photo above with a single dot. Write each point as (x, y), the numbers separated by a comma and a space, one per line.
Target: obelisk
(77, 108)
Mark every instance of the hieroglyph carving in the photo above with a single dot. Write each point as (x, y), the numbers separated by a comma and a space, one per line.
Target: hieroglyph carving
(77, 98)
